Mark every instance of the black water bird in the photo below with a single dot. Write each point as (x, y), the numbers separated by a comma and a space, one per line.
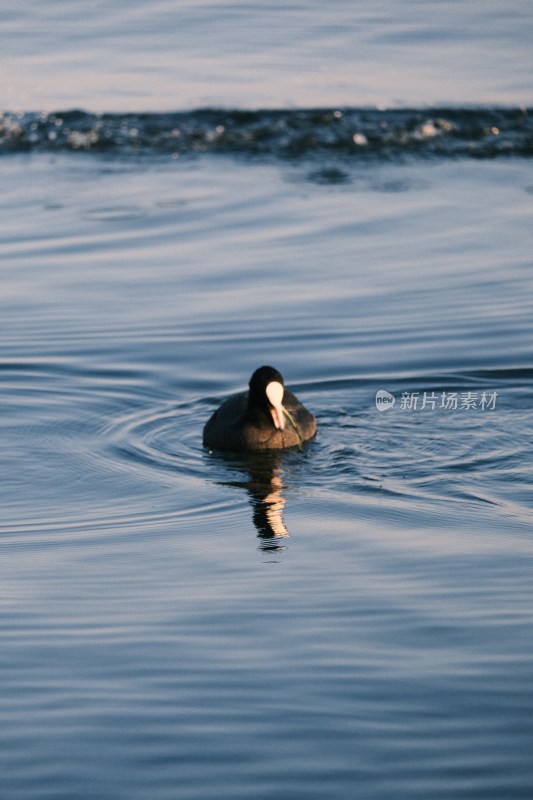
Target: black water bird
(266, 417)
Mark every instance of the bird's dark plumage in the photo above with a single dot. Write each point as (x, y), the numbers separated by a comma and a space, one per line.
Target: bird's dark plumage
(266, 417)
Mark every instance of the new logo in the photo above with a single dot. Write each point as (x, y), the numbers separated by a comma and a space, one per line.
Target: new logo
(384, 400)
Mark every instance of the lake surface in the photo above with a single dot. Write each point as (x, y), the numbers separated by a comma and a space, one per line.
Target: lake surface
(350, 620)
(159, 56)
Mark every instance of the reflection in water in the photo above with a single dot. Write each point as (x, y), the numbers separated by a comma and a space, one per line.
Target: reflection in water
(264, 484)
(268, 503)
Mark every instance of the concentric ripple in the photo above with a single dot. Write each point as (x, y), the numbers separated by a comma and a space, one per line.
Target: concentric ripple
(161, 438)
(110, 439)
(94, 442)
(428, 460)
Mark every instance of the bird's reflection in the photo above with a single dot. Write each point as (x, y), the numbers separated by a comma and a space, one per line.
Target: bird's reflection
(263, 480)
(268, 504)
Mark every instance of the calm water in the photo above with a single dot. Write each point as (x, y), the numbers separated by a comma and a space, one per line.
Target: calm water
(353, 620)
(109, 55)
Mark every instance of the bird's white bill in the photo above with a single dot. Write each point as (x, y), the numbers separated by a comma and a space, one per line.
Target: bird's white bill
(274, 393)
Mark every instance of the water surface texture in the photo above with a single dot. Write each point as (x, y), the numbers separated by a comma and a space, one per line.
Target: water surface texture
(350, 620)
(165, 55)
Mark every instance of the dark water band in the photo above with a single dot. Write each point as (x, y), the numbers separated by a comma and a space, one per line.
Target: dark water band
(362, 133)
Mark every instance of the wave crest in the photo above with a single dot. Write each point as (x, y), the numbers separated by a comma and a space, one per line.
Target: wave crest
(353, 132)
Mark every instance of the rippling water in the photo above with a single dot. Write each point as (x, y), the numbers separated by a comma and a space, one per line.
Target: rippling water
(350, 132)
(351, 620)
(117, 56)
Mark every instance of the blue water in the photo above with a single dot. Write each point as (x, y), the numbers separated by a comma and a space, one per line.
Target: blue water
(352, 620)
(160, 56)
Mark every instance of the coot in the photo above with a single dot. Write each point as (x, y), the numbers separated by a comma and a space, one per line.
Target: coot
(266, 417)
